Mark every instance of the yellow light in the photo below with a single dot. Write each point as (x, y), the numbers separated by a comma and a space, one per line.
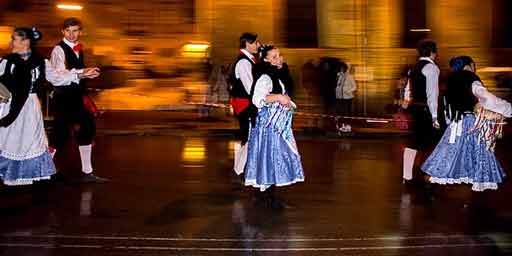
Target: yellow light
(495, 69)
(70, 7)
(5, 36)
(195, 47)
(102, 50)
(194, 151)
(420, 30)
(142, 52)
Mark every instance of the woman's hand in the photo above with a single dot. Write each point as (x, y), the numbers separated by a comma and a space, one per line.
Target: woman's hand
(282, 99)
(285, 101)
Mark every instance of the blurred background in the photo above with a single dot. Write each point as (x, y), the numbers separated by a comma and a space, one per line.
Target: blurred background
(166, 54)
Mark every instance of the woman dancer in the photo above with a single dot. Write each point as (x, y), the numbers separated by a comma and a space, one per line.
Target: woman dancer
(273, 157)
(465, 154)
(24, 154)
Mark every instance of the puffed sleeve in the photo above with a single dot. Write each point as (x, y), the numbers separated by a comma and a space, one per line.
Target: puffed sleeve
(262, 89)
(489, 101)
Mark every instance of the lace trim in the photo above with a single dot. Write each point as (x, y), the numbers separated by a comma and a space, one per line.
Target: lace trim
(20, 182)
(24, 156)
(263, 187)
(477, 186)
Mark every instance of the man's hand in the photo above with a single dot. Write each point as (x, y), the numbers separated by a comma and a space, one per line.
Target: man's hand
(405, 104)
(90, 73)
(435, 124)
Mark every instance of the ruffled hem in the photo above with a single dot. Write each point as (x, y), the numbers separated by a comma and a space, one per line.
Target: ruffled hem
(20, 182)
(25, 172)
(263, 187)
(476, 186)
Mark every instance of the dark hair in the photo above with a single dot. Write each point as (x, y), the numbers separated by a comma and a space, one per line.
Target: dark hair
(264, 49)
(458, 63)
(343, 67)
(31, 34)
(426, 47)
(69, 22)
(247, 38)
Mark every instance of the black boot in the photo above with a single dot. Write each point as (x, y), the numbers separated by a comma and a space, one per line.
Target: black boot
(258, 198)
(274, 201)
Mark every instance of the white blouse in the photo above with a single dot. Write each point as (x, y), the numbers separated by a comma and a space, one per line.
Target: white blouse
(489, 101)
(262, 89)
(56, 72)
(3, 64)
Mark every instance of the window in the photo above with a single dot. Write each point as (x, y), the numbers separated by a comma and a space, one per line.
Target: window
(301, 26)
(502, 24)
(414, 25)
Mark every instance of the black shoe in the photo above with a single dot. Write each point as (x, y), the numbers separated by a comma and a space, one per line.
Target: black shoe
(91, 178)
(59, 178)
(277, 203)
(237, 180)
(258, 198)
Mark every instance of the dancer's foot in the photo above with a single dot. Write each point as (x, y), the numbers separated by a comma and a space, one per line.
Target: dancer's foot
(91, 178)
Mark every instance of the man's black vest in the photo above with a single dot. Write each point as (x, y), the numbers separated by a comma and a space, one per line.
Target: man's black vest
(238, 89)
(72, 61)
(419, 83)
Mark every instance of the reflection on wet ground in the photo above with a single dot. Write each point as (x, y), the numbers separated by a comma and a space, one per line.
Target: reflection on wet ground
(173, 195)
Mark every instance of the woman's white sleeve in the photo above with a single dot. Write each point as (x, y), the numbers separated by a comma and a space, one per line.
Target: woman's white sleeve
(262, 89)
(490, 101)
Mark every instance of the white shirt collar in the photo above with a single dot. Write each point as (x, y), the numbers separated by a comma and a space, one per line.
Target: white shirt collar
(70, 44)
(427, 59)
(248, 54)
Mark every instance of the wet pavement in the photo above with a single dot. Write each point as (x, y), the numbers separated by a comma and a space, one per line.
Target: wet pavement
(172, 193)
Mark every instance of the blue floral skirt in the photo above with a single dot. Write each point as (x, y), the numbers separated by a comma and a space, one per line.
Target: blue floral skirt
(464, 160)
(272, 157)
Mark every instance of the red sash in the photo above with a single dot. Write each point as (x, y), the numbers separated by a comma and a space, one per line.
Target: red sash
(89, 105)
(239, 104)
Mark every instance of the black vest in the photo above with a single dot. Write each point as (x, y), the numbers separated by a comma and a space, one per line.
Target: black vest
(26, 77)
(33, 74)
(459, 93)
(72, 61)
(419, 83)
(276, 85)
(265, 68)
(238, 89)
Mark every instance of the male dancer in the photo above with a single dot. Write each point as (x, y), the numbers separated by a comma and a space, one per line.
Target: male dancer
(241, 95)
(67, 72)
(422, 93)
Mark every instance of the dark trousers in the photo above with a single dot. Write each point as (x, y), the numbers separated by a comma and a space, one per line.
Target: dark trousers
(424, 135)
(344, 107)
(71, 119)
(246, 118)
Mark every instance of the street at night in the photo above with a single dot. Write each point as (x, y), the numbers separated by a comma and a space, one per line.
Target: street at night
(123, 125)
(172, 193)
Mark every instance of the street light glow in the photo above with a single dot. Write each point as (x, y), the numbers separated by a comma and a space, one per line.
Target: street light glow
(191, 47)
(70, 7)
(421, 30)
